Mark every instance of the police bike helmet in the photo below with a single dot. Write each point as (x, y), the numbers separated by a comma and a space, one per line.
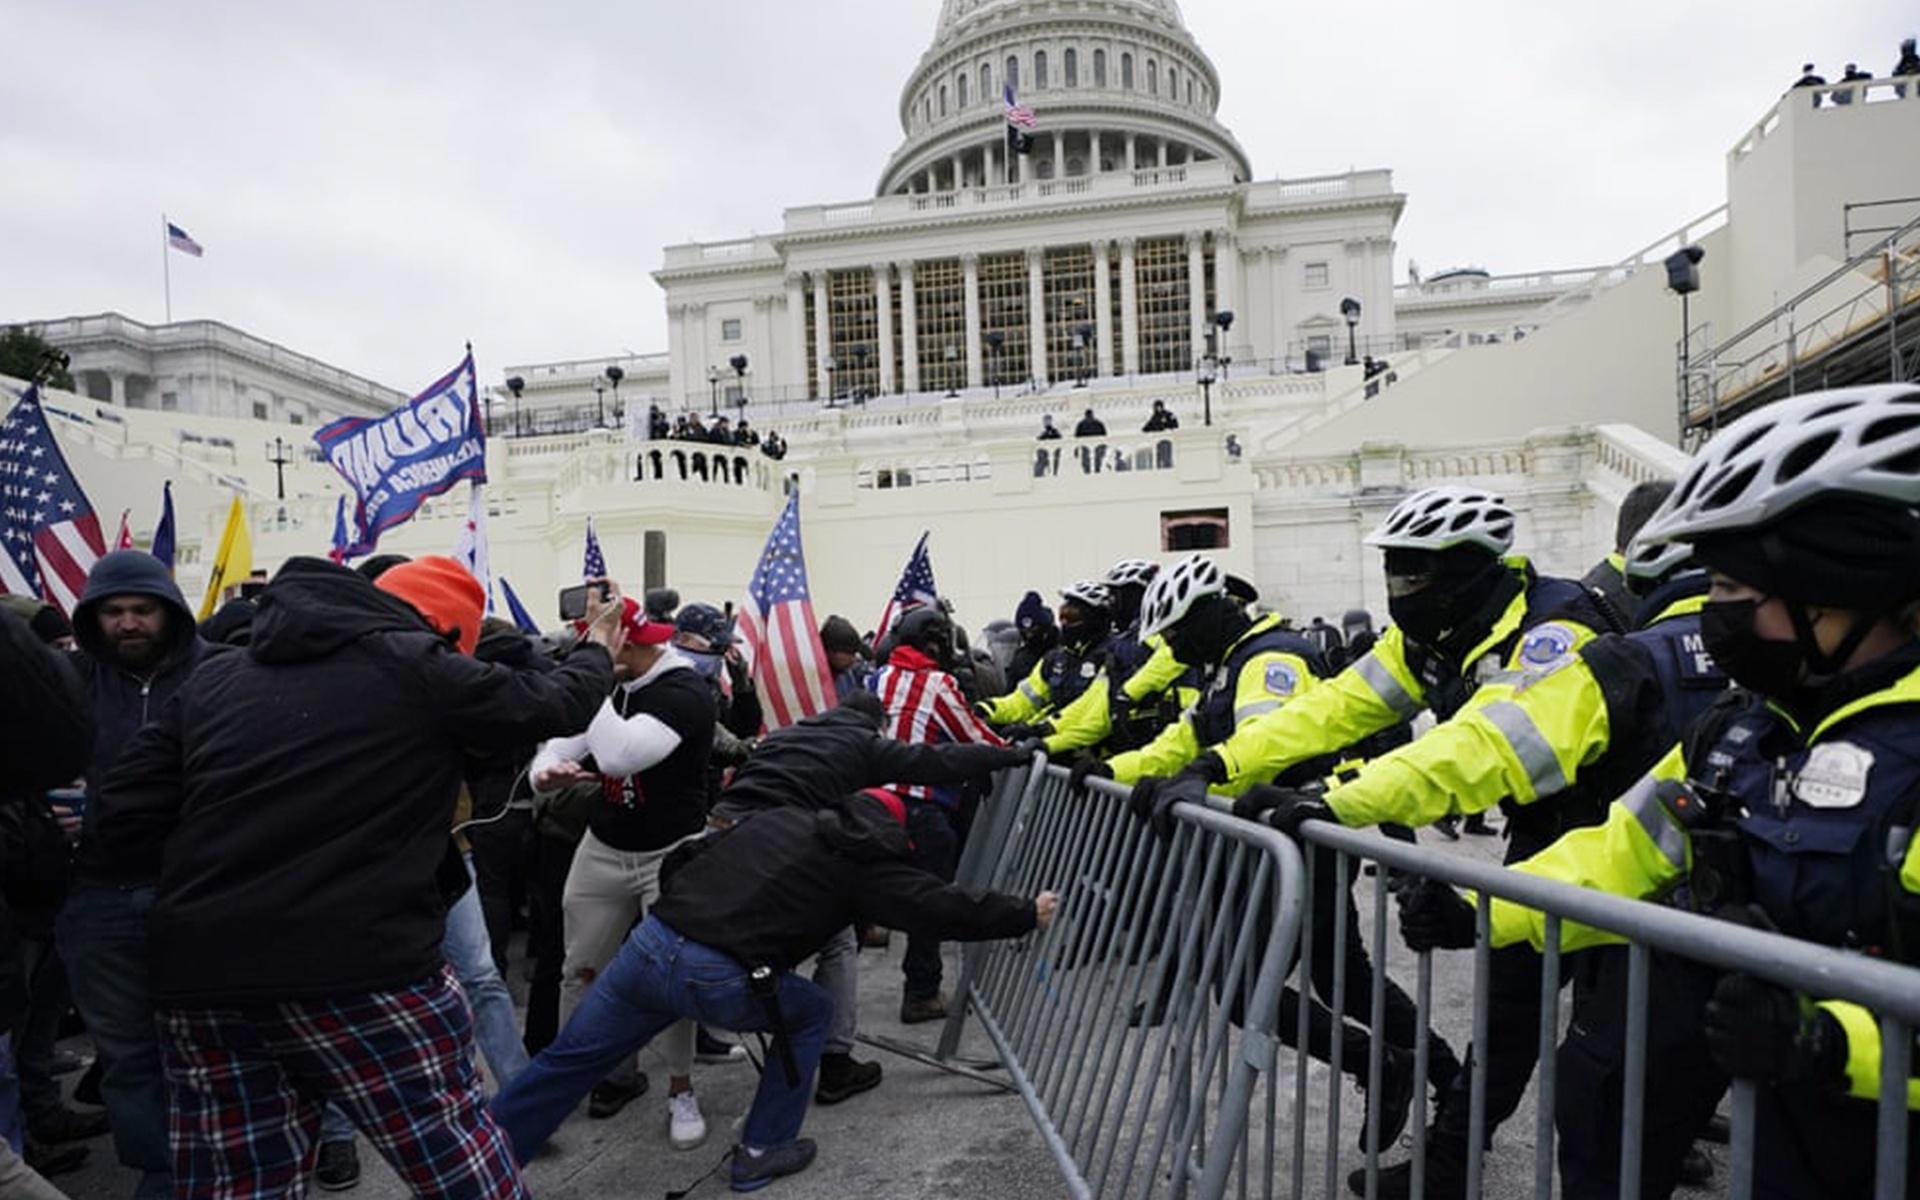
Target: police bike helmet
(1087, 593)
(1441, 518)
(1131, 572)
(1648, 564)
(1176, 590)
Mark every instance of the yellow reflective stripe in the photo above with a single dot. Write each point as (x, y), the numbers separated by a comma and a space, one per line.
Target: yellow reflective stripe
(1256, 708)
(1384, 685)
(1529, 745)
(1027, 689)
(1643, 801)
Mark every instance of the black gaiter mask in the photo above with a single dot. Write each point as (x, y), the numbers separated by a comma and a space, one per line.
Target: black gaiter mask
(1771, 668)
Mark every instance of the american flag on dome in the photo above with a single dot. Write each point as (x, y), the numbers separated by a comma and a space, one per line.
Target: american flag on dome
(595, 564)
(49, 535)
(1018, 113)
(180, 240)
(915, 589)
(778, 634)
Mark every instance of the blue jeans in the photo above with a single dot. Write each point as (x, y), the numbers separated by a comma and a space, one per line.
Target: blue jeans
(469, 951)
(657, 978)
(102, 936)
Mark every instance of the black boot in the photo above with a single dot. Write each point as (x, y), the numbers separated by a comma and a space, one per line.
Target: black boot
(1396, 1095)
(842, 1077)
(1446, 1172)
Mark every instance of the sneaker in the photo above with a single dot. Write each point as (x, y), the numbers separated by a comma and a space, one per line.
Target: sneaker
(1477, 825)
(686, 1128)
(842, 1078)
(63, 1124)
(1448, 827)
(54, 1160)
(1396, 1095)
(609, 1098)
(755, 1169)
(338, 1167)
(710, 1049)
(915, 1010)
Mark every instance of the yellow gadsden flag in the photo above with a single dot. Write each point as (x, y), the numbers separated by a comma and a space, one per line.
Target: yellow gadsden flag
(234, 563)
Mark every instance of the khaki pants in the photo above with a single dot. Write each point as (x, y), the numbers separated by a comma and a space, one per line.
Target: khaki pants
(607, 892)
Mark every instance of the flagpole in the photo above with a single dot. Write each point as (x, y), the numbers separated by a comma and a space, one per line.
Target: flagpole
(166, 268)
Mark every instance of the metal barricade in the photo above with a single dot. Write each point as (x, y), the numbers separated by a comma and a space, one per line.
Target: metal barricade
(1138, 1028)
(1891, 991)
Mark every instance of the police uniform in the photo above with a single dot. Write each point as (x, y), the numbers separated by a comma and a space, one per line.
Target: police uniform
(1141, 689)
(1056, 681)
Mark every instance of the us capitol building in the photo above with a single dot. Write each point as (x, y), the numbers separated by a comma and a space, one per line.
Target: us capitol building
(909, 343)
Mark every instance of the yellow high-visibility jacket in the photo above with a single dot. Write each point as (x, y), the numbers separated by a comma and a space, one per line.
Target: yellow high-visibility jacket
(1087, 721)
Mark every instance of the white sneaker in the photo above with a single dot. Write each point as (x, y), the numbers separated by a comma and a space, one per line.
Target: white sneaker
(686, 1128)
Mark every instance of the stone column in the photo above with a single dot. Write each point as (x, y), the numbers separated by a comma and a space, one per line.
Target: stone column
(1093, 152)
(1059, 154)
(1102, 310)
(1197, 291)
(1160, 151)
(117, 388)
(997, 160)
(1036, 315)
(909, 328)
(954, 162)
(822, 337)
(794, 376)
(1129, 308)
(1226, 275)
(883, 301)
(1133, 150)
(971, 264)
(1274, 266)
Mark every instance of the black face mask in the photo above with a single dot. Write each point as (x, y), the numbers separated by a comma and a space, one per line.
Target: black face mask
(1205, 634)
(1771, 668)
(1454, 594)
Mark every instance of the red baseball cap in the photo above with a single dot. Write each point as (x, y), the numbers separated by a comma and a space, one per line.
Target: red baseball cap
(641, 630)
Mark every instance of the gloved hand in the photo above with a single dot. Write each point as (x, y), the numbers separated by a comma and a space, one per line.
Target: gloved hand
(1154, 797)
(1435, 917)
(1085, 769)
(1021, 732)
(1284, 808)
(1026, 748)
(1760, 1030)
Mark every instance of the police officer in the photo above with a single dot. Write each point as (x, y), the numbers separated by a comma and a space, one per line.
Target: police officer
(1086, 630)
(1145, 686)
(1807, 512)
(1569, 733)
(1465, 615)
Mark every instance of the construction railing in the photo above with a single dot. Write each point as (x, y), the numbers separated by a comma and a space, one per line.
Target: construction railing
(1143, 1029)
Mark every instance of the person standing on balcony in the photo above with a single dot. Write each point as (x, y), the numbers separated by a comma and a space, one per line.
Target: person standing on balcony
(1909, 63)
(1089, 426)
(1161, 420)
(1049, 432)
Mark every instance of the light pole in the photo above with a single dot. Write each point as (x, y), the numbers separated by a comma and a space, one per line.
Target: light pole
(953, 380)
(279, 459)
(994, 342)
(1206, 374)
(739, 364)
(1350, 309)
(1222, 322)
(516, 385)
(1683, 277)
(614, 376)
(600, 400)
(713, 390)
(860, 373)
(832, 364)
(1083, 338)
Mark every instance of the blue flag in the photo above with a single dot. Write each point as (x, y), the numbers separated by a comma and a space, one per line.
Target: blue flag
(338, 552)
(594, 564)
(521, 616)
(163, 532)
(419, 450)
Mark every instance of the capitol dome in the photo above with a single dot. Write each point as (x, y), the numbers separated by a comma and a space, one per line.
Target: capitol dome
(1115, 85)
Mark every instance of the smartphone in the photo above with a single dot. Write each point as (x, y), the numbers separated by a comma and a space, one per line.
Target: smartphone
(573, 600)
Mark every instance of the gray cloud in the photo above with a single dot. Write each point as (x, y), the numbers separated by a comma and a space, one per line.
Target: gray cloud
(375, 183)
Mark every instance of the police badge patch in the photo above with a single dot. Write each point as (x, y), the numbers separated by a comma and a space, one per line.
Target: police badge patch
(1282, 679)
(1546, 645)
(1834, 776)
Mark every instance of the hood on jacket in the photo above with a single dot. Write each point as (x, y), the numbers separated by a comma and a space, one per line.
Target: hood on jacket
(232, 625)
(131, 573)
(313, 608)
(504, 643)
(861, 829)
(910, 659)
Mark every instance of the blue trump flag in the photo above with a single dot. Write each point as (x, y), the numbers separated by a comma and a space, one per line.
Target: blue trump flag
(521, 616)
(419, 450)
(163, 532)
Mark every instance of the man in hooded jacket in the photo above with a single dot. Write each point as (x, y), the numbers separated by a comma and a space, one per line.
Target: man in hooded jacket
(294, 799)
(138, 645)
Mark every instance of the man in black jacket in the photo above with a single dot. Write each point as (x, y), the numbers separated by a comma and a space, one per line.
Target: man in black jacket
(138, 645)
(738, 913)
(296, 798)
(813, 764)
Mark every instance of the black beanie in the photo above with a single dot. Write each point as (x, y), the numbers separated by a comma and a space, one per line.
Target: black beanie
(1847, 552)
(838, 634)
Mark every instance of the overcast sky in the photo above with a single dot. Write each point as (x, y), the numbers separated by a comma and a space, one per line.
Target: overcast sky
(376, 182)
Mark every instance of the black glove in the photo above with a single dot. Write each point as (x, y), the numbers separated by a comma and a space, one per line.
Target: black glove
(1760, 1030)
(1026, 748)
(1020, 733)
(1154, 797)
(1284, 808)
(1085, 769)
(1435, 917)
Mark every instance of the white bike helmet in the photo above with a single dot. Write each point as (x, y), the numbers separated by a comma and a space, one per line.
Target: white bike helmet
(1851, 441)
(1440, 518)
(1173, 594)
(1088, 593)
(1137, 572)
(1650, 562)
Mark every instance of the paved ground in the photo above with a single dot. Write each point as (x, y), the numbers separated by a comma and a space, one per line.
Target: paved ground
(924, 1133)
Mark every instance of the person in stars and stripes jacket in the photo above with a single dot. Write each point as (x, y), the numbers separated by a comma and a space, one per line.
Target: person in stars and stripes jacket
(925, 704)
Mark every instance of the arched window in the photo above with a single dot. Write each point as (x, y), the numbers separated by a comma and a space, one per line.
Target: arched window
(1039, 69)
(1126, 71)
(926, 115)
(986, 83)
(1153, 78)
(1173, 84)
(1189, 93)
(1013, 72)
(943, 94)
(962, 92)
(1099, 68)
(1070, 68)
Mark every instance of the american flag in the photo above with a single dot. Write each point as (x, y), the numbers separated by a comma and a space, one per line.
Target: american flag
(595, 565)
(180, 240)
(914, 590)
(48, 531)
(341, 539)
(778, 634)
(125, 540)
(471, 548)
(1017, 113)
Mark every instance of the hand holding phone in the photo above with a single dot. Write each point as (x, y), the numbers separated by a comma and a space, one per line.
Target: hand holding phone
(573, 600)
